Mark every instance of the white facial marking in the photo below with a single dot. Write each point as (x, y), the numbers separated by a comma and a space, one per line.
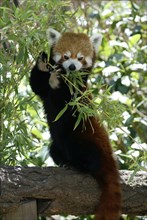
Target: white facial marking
(57, 57)
(78, 65)
(79, 55)
(88, 61)
(68, 53)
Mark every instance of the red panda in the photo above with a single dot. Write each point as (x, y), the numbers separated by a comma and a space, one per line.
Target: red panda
(87, 150)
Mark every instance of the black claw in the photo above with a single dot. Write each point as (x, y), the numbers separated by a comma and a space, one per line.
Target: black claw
(48, 66)
(43, 56)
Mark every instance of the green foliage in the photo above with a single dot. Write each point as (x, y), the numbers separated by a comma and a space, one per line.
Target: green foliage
(108, 110)
(118, 82)
(23, 35)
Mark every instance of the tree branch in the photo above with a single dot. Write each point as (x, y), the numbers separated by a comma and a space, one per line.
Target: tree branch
(62, 191)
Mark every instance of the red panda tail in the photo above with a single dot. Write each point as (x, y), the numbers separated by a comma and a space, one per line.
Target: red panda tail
(107, 175)
(110, 200)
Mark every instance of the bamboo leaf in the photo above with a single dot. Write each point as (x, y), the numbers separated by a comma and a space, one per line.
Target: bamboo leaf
(78, 121)
(37, 133)
(134, 39)
(61, 113)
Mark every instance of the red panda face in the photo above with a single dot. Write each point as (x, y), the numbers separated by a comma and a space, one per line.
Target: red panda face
(73, 51)
(72, 62)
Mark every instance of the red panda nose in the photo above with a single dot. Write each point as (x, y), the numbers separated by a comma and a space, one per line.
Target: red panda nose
(72, 67)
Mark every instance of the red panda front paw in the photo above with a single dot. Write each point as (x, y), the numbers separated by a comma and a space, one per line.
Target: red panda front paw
(42, 62)
(54, 81)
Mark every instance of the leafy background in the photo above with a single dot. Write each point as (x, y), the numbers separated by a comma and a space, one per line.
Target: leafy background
(119, 78)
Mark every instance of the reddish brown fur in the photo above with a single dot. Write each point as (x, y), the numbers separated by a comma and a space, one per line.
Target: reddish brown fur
(81, 42)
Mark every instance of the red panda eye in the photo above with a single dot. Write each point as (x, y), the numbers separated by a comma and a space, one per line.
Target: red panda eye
(80, 58)
(66, 57)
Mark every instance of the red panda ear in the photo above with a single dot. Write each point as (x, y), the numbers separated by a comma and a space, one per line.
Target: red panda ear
(96, 40)
(52, 36)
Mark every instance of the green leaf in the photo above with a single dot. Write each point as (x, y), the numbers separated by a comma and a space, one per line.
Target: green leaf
(37, 133)
(61, 113)
(134, 39)
(78, 121)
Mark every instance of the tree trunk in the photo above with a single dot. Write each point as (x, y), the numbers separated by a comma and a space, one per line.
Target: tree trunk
(64, 191)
